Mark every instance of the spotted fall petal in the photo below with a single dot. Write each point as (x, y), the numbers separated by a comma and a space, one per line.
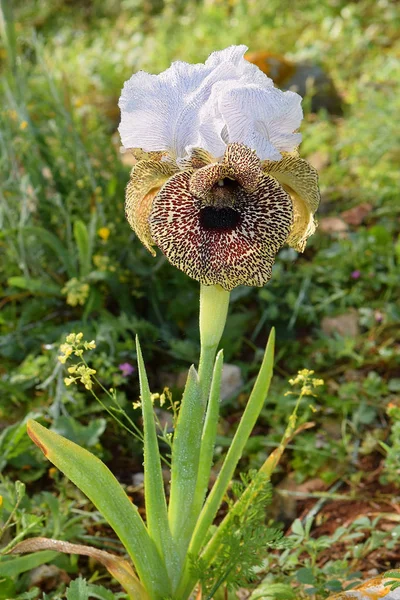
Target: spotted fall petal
(207, 106)
(147, 177)
(218, 228)
(300, 180)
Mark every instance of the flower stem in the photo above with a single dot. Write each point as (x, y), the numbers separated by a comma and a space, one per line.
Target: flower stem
(214, 302)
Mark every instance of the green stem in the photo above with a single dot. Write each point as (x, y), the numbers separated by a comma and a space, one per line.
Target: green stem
(249, 418)
(214, 302)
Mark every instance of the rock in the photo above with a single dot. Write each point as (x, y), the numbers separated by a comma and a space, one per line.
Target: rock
(47, 577)
(231, 381)
(333, 225)
(138, 479)
(345, 325)
(300, 77)
(165, 418)
(356, 215)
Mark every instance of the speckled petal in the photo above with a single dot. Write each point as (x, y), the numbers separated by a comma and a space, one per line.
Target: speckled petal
(203, 179)
(197, 158)
(300, 180)
(147, 176)
(242, 254)
(244, 164)
(239, 163)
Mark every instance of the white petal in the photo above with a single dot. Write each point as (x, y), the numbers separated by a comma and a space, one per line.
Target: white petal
(262, 118)
(162, 112)
(227, 99)
(246, 71)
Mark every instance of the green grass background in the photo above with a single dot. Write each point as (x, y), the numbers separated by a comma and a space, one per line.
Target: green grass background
(63, 64)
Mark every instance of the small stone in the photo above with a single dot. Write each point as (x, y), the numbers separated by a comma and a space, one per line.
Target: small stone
(138, 479)
(333, 225)
(47, 577)
(231, 381)
(345, 325)
(356, 215)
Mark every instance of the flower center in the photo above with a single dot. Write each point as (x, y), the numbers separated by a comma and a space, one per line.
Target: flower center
(219, 219)
(224, 191)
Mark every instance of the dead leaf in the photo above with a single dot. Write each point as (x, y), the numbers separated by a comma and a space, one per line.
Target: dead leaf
(119, 568)
(373, 589)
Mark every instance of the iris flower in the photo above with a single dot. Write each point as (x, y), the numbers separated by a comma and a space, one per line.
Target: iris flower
(219, 186)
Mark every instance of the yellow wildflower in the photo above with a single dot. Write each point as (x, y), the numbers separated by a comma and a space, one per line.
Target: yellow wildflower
(76, 291)
(89, 345)
(104, 233)
(52, 472)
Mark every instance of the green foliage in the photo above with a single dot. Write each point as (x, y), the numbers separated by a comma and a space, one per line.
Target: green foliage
(68, 261)
(391, 470)
(80, 589)
(243, 545)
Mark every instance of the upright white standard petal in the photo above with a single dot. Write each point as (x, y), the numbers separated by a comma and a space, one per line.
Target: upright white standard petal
(263, 119)
(207, 106)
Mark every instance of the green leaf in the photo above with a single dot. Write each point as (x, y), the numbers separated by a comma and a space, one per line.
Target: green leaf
(209, 434)
(35, 286)
(84, 435)
(95, 480)
(247, 422)
(305, 575)
(215, 498)
(297, 528)
(82, 239)
(55, 245)
(78, 590)
(13, 441)
(273, 591)
(185, 462)
(11, 567)
(156, 505)
(7, 588)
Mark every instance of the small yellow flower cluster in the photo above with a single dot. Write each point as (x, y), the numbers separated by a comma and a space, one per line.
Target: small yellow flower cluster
(83, 373)
(307, 382)
(75, 345)
(162, 398)
(103, 263)
(76, 291)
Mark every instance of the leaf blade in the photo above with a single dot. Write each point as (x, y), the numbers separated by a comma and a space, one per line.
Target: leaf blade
(247, 422)
(155, 501)
(92, 476)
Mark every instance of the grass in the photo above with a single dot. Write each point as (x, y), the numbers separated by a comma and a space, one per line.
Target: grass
(69, 261)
